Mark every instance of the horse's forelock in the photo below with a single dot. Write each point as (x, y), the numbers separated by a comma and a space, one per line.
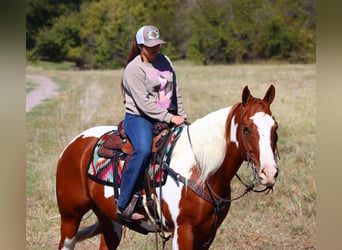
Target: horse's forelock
(256, 105)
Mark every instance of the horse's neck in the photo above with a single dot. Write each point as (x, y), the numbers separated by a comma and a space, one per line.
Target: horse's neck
(217, 155)
(208, 136)
(208, 148)
(220, 180)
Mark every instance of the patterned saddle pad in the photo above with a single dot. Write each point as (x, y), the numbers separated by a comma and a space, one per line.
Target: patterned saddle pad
(101, 169)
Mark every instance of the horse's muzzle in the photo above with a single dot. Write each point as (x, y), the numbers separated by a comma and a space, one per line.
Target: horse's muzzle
(268, 176)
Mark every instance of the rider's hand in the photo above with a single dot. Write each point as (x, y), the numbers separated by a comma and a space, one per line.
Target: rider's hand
(178, 120)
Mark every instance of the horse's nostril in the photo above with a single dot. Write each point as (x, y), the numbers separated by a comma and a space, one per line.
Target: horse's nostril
(276, 174)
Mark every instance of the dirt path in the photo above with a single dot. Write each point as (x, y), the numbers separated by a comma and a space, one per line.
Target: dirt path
(46, 89)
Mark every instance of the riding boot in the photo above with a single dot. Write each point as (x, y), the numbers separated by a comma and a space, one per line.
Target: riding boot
(128, 213)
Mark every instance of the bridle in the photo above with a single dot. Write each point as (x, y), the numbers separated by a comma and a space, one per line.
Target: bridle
(215, 198)
(251, 163)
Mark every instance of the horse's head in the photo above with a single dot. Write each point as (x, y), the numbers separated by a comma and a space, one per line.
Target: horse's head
(258, 135)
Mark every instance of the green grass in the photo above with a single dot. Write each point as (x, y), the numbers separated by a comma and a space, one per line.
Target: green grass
(284, 219)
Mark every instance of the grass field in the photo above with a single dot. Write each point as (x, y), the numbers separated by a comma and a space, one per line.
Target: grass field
(284, 219)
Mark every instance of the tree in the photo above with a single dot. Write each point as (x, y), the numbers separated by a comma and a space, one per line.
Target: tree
(57, 43)
(211, 30)
(106, 34)
(98, 33)
(41, 14)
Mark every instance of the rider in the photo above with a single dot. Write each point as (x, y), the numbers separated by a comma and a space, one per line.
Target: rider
(151, 94)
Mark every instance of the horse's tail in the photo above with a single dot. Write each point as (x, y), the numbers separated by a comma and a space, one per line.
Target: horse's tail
(88, 232)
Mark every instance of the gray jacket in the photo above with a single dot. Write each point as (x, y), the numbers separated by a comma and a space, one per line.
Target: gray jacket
(151, 89)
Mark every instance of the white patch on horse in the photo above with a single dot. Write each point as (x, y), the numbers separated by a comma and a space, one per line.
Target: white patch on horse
(69, 243)
(182, 159)
(264, 123)
(233, 132)
(209, 132)
(108, 191)
(97, 131)
(91, 132)
(171, 192)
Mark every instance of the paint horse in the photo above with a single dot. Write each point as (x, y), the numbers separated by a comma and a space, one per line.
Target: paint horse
(205, 158)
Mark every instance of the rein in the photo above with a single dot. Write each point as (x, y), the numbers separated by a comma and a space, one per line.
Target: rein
(215, 198)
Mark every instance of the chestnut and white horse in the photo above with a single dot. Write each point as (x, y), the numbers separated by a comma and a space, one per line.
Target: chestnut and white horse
(207, 155)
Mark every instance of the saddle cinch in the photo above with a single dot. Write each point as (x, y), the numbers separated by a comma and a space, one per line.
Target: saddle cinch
(119, 148)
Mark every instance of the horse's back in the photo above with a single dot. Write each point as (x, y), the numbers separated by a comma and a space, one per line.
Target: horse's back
(71, 177)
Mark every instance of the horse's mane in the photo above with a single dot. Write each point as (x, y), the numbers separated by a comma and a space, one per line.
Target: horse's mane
(208, 139)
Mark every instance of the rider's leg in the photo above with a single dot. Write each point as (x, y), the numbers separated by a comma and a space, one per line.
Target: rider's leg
(139, 131)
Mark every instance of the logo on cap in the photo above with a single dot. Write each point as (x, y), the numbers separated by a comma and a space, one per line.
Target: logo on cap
(153, 34)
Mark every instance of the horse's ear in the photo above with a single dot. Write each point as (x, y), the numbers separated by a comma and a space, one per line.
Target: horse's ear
(246, 95)
(270, 94)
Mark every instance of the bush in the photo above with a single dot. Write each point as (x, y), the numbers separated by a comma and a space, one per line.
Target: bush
(98, 33)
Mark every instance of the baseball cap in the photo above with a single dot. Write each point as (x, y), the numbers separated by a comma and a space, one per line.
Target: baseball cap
(149, 36)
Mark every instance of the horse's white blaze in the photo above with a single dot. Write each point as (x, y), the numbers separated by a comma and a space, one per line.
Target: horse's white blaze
(264, 123)
(233, 132)
(69, 243)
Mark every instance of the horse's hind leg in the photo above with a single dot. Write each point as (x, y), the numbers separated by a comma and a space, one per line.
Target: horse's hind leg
(111, 231)
(69, 227)
(72, 206)
(114, 241)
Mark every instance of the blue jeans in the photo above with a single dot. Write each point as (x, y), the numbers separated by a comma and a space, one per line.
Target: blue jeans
(139, 132)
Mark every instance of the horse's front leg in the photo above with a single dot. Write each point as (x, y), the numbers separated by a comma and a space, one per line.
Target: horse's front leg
(184, 238)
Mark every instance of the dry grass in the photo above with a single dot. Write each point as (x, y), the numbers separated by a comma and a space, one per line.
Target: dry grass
(284, 219)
